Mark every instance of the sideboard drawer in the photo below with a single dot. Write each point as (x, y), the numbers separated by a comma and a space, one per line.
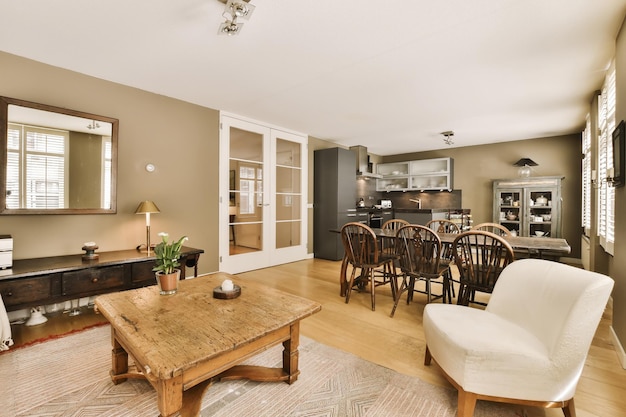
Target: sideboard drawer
(142, 273)
(92, 281)
(25, 290)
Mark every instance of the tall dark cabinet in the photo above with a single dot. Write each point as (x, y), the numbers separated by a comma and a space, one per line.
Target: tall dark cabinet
(334, 203)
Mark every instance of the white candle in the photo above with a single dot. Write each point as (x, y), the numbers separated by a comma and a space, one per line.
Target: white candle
(89, 244)
(227, 285)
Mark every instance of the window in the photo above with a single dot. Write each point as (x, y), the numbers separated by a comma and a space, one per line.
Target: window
(36, 167)
(250, 186)
(606, 194)
(106, 172)
(586, 178)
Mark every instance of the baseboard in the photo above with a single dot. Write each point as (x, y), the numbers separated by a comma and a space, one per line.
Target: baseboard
(619, 349)
(571, 261)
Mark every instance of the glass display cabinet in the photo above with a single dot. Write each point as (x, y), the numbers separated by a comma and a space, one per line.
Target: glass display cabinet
(528, 206)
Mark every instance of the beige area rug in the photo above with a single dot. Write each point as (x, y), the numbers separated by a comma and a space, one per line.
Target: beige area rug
(70, 377)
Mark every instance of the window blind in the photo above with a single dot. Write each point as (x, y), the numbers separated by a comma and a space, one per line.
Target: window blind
(606, 194)
(586, 177)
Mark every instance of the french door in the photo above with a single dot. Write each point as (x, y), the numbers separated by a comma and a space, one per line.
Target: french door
(263, 180)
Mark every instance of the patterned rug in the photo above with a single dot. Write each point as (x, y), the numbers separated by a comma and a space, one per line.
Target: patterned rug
(69, 377)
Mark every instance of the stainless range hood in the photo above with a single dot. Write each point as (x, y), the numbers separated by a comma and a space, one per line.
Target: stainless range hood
(363, 169)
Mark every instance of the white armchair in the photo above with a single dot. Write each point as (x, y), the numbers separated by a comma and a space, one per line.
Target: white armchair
(530, 343)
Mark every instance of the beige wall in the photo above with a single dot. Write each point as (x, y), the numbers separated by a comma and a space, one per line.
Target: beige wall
(475, 168)
(179, 138)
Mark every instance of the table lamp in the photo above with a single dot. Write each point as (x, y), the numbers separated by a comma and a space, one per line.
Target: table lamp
(147, 207)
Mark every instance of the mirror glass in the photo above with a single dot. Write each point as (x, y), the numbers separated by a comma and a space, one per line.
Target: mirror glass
(56, 160)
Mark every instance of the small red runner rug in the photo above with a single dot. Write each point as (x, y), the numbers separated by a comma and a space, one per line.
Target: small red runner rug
(53, 336)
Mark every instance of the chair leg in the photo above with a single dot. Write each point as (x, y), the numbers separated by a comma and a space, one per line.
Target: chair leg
(427, 357)
(373, 288)
(411, 289)
(350, 284)
(569, 410)
(343, 276)
(466, 403)
(448, 287)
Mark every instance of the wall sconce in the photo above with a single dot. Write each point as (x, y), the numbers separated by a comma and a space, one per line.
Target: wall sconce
(525, 165)
(610, 177)
(147, 207)
(235, 9)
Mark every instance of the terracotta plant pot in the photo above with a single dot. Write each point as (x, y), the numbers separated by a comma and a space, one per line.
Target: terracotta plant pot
(168, 283)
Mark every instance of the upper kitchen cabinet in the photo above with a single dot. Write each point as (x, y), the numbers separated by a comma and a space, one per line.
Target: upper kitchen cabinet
(530, 206)
(423, 175)
(431, 174)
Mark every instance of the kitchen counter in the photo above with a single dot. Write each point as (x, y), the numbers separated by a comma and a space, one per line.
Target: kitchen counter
(423, 210)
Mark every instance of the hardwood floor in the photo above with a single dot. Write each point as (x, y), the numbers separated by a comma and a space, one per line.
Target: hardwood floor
(398, 342)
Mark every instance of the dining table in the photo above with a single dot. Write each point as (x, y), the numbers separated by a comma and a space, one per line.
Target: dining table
(535, 247)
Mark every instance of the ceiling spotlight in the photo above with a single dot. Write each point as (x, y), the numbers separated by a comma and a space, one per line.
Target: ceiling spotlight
(230, 27)
(239, 8)
(235, 9)
(447, 137)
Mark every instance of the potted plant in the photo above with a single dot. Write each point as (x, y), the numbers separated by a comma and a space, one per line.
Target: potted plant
(166, 267)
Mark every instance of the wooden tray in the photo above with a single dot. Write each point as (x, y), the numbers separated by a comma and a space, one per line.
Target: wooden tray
(227, 295)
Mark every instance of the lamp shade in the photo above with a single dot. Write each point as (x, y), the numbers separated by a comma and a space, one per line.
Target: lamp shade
(147, 207)
(525, 162)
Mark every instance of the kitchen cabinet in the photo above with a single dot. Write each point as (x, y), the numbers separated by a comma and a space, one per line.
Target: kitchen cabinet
(42, 281)
(434, 174)
(530, 206)
(334, 202)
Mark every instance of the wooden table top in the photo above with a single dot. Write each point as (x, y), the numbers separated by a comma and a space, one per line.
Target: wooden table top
(551, 244)
(172, 333)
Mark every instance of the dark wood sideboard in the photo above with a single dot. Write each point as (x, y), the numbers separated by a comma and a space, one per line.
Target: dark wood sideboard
(41, 281)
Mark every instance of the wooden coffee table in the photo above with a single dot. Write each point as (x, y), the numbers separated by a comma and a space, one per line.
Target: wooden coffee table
(182, 343)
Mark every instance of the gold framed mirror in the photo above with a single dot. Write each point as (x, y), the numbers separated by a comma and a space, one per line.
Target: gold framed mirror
(55, 160)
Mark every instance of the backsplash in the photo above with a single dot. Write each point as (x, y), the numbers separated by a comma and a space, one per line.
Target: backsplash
(366, 189)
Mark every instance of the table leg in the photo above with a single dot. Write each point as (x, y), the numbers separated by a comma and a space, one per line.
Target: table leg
(290, 354)
(119, 359)
(170, 397)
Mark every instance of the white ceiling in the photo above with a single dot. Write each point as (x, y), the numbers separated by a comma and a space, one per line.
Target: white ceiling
(387, 74)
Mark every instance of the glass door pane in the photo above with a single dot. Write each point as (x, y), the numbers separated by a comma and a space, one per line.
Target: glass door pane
(245, 215)
(288, 193)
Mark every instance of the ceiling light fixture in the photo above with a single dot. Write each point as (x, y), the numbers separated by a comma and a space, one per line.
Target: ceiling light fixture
(447, 137)
(93, 125)
(235, 9)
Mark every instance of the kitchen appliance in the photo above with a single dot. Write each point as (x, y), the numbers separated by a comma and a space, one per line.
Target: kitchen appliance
(386, 204)
(364, 169)
(6, 251)
(375, 220)
(360, 203)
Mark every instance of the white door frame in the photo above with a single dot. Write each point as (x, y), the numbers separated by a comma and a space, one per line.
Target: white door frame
(269, 255)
